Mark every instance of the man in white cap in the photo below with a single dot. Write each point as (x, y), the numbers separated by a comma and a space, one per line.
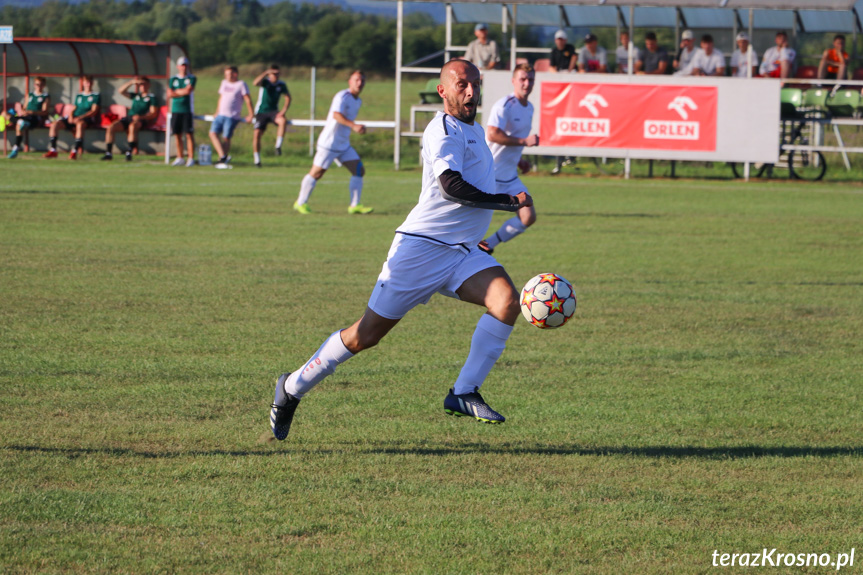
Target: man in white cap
(739, 66)
(180, 92)
(687, 51)
(482, 52)
(563, 58)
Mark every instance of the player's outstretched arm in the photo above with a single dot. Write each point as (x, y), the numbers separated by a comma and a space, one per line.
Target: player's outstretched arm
(454, 188)
(498, 136)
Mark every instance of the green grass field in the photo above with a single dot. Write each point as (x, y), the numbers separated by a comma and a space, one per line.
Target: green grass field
(707, 396)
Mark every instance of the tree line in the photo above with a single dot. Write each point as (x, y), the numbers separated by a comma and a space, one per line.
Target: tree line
(244, 31)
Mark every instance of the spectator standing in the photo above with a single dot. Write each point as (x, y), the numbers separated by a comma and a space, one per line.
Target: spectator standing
(232, 93)
(267, 109)
(563, 57)
(622, 54)
(778, 61)
(334, 145)
(653, 59)
(33, 115)
(85, 115)
(181, 90)
(482, 52)
(685, 54)
(592, 58)
(740, 63)
(145, 109)
(834, 62)
(708, 61)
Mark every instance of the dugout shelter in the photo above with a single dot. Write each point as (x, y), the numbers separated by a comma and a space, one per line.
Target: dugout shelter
(62, 61)
(763, 17)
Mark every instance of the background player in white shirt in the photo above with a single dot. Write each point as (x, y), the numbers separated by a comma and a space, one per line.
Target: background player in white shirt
(334, 145)
(508, 133)
(708, 61)
(740, 63)
(434, 252)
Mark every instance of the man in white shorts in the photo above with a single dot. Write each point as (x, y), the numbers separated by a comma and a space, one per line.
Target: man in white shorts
(334, 145)
(508, 133)
(434, 252)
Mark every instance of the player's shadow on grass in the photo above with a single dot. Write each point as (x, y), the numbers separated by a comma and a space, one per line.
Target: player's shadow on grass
(392, 448)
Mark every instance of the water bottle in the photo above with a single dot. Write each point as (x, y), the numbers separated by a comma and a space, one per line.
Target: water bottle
(205, 155)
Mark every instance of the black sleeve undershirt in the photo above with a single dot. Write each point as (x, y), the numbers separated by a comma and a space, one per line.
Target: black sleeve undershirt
(454, 188)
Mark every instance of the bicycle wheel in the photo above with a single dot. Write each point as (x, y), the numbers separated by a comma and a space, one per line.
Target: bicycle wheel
(807, 165)
(755, 170)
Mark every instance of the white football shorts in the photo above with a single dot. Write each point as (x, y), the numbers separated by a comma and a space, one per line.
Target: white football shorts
(511, 187)
(324, 157)
(416, 269)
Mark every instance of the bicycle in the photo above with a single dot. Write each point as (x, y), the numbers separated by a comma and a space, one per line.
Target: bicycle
(799, 164)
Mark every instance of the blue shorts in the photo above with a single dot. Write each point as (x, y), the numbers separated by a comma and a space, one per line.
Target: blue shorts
(225, 126)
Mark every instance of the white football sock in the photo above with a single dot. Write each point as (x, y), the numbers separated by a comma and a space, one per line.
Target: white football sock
(356, 188)
(486, 346)
(323, 363)
(306, 188)
(510, 228)
(279, 142)
(257, 157)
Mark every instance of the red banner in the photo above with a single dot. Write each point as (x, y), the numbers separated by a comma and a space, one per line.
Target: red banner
(647, 117)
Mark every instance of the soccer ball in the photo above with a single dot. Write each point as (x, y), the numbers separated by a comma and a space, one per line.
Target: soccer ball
(547, 301)
(524, 165)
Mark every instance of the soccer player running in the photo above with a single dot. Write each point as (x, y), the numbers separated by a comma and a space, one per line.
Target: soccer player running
(334, 146)
(267, 109)
(434, 251)
(33, 116)
(508, 133)
(85, 115)
(145, 109)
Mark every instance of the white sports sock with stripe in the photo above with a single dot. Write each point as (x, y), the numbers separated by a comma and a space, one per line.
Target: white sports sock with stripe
(510, 228)
(486, 346)
(356, 188)
(323, 363)
(306, 189)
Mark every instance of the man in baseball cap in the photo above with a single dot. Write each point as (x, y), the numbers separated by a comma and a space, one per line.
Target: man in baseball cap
(180, 88)
(482, 52)
(739, 58)
(562, 55)
(686, 52)
(592, 58)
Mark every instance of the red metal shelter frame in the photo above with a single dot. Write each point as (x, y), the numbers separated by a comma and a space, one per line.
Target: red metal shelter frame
(31, 62)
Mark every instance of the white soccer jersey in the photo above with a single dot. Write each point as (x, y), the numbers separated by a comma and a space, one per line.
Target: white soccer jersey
(739, 59)
(509, 116)
(449, 144)
(337, 136)
(707, 63)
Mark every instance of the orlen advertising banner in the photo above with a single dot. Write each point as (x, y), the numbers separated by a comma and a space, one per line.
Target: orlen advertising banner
(633, 116)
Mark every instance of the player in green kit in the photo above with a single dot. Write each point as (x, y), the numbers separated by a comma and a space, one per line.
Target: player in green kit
(33, 116)
(145, 108)
(181, 92)
(85, 115)
(267, 109)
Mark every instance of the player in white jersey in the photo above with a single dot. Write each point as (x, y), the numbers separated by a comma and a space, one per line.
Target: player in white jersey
(334, 145)
(435, 251)
(508, 133)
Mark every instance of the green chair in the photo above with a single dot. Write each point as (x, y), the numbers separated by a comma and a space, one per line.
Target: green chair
(815, 98)
(429, 95)
(790, 99)
(844, 103)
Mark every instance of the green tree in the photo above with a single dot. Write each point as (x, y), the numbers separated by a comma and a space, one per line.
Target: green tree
(324, 34)
(81, 26)
(367, 45)
(208, 42)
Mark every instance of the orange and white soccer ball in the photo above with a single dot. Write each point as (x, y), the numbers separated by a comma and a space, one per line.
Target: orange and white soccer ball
(548, 301)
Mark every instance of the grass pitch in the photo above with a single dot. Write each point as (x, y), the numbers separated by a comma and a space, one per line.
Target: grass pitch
(706, 396)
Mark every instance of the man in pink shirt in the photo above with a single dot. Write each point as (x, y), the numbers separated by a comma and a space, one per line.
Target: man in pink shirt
(232, 93)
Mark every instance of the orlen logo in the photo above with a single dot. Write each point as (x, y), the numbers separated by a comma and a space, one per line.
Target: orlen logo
(597, 128)
(674, 130)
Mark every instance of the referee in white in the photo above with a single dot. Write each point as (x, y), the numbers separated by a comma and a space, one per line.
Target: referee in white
(434, 251)
(508, 133)
(334, 145)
